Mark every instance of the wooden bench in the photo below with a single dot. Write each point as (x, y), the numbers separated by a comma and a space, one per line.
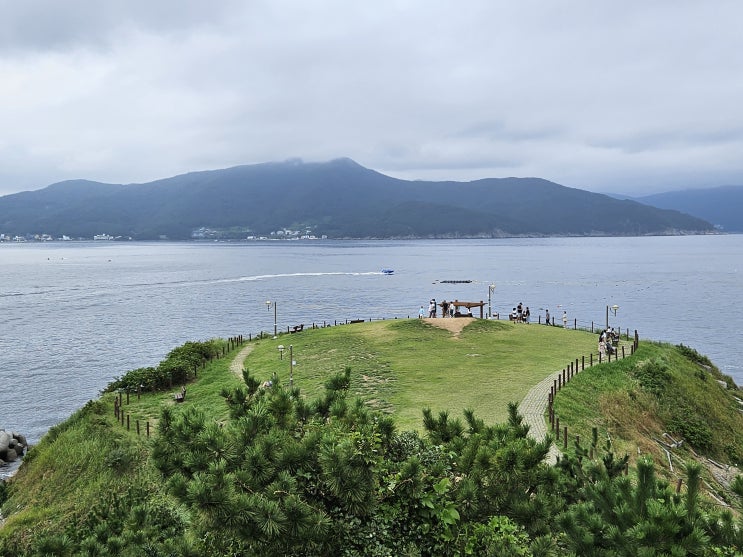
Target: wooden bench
(297, 328)
(180, 397)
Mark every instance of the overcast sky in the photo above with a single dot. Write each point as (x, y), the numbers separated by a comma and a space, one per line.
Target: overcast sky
(626, 97)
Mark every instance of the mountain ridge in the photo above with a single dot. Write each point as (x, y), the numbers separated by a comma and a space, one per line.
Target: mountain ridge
(720, 205)
(337, 199)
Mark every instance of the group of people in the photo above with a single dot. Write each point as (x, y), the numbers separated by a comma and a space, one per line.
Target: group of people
(431, 309)
(607, 338)
(448, 309)
(520, 314)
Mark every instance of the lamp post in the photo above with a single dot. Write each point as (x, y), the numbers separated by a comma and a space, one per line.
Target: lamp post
(491, 289)
(614, 308)
(291, 367)
(281, 351)
(268, 306)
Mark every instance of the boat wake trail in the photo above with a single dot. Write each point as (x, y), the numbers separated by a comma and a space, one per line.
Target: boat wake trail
(284, 275)
(88, 291)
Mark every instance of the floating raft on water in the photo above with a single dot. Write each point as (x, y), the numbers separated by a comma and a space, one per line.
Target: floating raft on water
(455, 281)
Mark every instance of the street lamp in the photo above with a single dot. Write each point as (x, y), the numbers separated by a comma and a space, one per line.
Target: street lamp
(281, 351)
(614, 308)
(291, 367)
(491, 289)
(268, 306)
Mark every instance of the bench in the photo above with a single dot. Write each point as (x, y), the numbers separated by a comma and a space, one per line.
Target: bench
(297, 328)
(180, 397)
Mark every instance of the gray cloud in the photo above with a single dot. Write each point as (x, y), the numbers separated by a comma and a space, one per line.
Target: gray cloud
(636, 97)
(51, 25)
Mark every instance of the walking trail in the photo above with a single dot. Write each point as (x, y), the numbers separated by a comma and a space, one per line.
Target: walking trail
(533, 407)
(236, 366)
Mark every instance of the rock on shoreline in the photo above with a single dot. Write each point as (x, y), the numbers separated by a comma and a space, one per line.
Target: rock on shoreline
(12, 446)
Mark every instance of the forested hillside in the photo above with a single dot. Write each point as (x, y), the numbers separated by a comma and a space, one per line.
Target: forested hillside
(720, 206)
(339, 199)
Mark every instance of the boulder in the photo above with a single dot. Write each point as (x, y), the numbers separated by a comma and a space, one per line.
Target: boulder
(12, 445)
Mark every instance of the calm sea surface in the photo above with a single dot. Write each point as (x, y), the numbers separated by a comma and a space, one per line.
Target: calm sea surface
(76, 315)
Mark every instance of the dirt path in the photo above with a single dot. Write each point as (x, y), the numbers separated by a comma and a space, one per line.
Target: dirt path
(236, 366)
(454, 325)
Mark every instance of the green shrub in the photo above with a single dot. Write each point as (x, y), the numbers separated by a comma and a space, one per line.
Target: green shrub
(404, 445)
(689, 425)
(653, 376)
(694, 356)
(180, 365)
(119, 459)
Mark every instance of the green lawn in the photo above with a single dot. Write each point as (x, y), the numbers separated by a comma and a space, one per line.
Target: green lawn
(402, 366)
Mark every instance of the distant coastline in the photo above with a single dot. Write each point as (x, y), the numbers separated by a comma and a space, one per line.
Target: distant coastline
(104, 238)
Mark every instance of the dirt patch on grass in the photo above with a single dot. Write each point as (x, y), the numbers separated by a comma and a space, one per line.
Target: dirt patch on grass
(454, 325)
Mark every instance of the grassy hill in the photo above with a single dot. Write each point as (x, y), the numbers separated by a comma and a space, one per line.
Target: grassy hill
(91, 463)
(403, 366)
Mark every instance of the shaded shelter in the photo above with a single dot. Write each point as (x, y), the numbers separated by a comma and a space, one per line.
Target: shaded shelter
(468, 305)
